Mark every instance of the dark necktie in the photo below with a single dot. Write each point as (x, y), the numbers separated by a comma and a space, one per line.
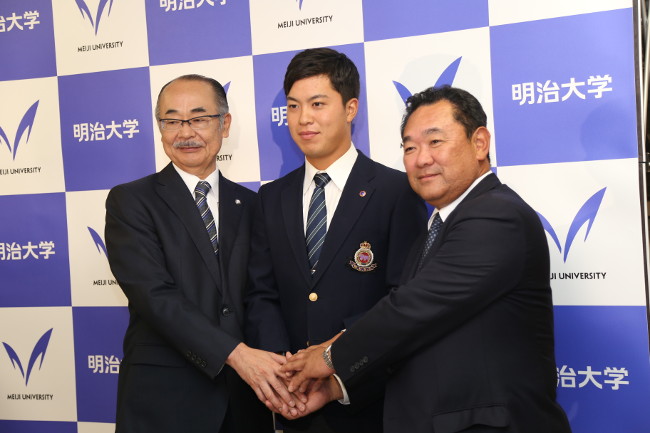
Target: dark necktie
(316, 220)
(200, 197)
(433, 232)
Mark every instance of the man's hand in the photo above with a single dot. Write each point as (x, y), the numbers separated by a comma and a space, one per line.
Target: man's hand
(261, 370)
(304, 365)
(319, 393)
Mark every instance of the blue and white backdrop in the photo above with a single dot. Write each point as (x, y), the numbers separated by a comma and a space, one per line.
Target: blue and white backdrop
(78, 80)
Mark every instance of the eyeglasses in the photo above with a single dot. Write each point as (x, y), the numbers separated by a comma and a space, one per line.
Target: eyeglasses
(200, 122)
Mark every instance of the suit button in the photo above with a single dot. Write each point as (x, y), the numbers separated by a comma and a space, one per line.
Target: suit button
(365, 359)
(189, 354)
(356, 365)
(226, 310)
(313, 297)
(204, 364)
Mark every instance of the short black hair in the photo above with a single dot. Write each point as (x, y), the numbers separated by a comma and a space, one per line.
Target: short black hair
(340, 70)
(219, 92)
(467, 110)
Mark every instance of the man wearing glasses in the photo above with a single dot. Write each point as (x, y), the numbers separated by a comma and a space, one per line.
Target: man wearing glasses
(178, 243)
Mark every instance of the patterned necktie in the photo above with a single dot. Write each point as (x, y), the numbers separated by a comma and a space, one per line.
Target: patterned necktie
(200, 197)
(433, 232)
(316, 220)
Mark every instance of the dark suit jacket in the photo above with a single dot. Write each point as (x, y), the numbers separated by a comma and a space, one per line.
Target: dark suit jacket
(185, 304)
(376, 206)
(468, 338)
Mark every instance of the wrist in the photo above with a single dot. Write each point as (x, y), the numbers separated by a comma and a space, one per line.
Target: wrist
(235, 354)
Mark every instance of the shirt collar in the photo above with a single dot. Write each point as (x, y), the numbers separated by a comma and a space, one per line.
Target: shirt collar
(445, 211)
(338, 171)
(191, 180)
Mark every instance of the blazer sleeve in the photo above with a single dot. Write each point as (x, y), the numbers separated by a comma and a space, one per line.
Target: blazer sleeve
(480, 258)
(138, 262)
(264, 325)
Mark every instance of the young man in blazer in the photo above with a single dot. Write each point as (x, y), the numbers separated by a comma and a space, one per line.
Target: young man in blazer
(467, 338)
(329, 238)
(178, 244)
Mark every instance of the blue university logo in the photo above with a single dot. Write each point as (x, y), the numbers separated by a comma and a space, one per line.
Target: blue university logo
(39, 351)
(446, 78)
(85, 12)
(26, 124)
(99, 242)
(586, 214)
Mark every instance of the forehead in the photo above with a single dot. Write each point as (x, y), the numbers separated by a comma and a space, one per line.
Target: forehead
(310, 86)
(185, 95)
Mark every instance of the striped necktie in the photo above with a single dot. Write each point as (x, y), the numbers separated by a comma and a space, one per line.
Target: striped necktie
(200, 197)
(316, 220)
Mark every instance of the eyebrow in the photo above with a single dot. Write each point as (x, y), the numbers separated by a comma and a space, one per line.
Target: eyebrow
(193, 110)
(426, 132)
(311, 98)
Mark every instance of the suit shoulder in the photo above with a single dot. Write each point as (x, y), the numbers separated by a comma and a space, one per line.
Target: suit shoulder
(240, 189)
(277, 185)
(384, 171)
(501, 199)
(390, 179)
(142, 184)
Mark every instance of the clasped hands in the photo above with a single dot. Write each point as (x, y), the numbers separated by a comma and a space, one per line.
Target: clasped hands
(291, 385)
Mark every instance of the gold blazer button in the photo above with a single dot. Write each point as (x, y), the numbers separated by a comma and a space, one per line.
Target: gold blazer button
(313, 297)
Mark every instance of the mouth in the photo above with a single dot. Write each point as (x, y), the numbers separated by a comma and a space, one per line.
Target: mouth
(427, 176)
(307, 135)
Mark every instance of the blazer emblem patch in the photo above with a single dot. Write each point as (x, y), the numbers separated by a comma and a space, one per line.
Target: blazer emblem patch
(363, 258)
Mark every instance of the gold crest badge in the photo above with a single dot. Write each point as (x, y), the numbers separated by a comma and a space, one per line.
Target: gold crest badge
(363, 258)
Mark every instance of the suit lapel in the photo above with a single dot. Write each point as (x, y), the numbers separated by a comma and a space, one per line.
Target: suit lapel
(174, 192)
(488, 183)
(230, 209)
(355, 196)
(291, 203)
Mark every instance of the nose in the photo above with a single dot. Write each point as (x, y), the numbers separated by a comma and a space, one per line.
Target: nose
(424, 156)
(305, 117)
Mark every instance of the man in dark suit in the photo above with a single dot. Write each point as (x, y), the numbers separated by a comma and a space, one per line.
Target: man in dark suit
(178, 245)
(307, 285)
(467, 338)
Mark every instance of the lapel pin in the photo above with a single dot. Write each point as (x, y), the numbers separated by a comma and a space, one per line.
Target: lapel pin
(237, 201)
(362, 193)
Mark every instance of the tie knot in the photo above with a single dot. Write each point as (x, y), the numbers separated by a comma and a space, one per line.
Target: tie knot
(321, 179)
(202, 188)
(437, 221)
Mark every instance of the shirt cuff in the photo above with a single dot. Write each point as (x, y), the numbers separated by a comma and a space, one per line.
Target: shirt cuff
(346, 398)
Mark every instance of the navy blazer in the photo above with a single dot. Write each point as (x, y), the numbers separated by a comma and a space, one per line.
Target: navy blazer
(467, 340)
(185, 304)
(377, 206)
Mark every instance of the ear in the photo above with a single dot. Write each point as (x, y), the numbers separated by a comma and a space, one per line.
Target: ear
(481, 143)
(351, 108)
(225, 130)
